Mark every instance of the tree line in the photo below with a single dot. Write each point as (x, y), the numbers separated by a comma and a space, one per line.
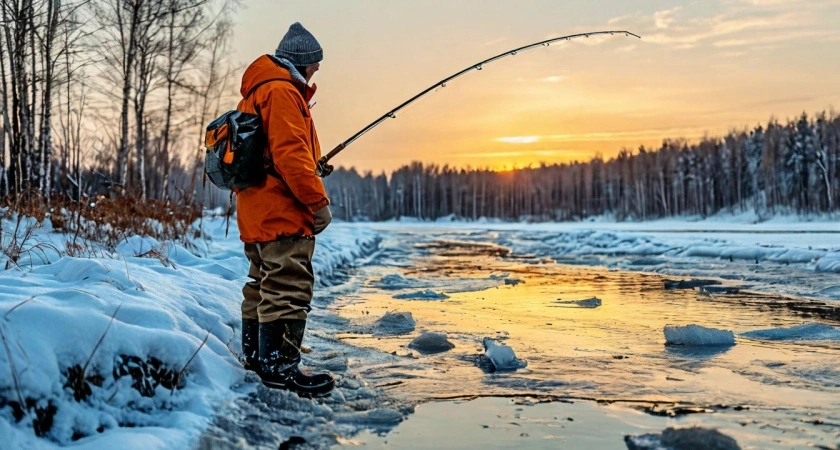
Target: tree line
(790, 167)
(109, 94)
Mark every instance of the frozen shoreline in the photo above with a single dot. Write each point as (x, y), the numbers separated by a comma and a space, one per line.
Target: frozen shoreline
(171, 303)
(774, 257)
(133, 349)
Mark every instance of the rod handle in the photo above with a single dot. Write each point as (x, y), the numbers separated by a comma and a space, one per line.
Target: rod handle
(323, 168)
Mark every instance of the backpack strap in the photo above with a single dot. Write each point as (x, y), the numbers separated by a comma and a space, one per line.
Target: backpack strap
(270, 169)
(251, 91)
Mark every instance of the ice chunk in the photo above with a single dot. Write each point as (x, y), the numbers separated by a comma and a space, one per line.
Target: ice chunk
(650, 261)
(394, 282)
(829, 263)
(689, 284)
(426, 294)
(592, 302)
(431, 342)
(726, 290)
(682, 438)
(695, 335)
(394, 323)
(806, 332)
(501, 356)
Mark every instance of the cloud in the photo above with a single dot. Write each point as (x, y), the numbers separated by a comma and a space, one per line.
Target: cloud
(663, 19)
(518, 139)
(736, 23)
(554, 78)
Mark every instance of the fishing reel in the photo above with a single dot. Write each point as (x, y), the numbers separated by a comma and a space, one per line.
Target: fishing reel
(323, 169)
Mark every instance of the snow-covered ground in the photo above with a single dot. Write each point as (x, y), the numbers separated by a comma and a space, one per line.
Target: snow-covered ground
(137, 348)
(129, 349)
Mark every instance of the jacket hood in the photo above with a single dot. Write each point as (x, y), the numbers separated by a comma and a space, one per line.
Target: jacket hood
(266, 68)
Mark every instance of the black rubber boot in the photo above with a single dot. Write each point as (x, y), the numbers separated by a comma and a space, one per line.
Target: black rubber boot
(251, 344)
(280, 343)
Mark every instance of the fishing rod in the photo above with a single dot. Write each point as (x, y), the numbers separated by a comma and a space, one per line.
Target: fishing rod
(323, 169)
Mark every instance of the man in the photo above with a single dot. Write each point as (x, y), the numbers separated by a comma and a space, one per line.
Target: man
(279, 218)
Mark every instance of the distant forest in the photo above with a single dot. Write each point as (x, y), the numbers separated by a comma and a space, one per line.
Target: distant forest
(110, 97)
(791, 168)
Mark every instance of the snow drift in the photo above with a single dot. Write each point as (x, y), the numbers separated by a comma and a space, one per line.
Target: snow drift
(135, 348)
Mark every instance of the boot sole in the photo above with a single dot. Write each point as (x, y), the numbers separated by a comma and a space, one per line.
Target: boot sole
(302, 394)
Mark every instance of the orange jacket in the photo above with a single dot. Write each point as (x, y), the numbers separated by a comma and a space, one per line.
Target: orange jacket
(281, 207)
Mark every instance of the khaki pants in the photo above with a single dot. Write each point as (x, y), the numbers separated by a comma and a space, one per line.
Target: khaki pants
(281, 279)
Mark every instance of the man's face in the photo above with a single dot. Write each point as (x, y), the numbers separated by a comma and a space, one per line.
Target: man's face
(310, 71)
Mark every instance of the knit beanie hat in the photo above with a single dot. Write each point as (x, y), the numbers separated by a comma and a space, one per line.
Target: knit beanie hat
(299, 46)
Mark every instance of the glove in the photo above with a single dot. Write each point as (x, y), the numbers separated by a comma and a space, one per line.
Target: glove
(323, 217)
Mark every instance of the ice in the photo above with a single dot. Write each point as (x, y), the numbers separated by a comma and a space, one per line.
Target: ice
(395, 282)
(689, 284)
(806, 332)
(426, 294)
(593, 302)
(501, 356)
(431, 342)
(395, 323)
(830, 263)
(694, 438)
(696, 335)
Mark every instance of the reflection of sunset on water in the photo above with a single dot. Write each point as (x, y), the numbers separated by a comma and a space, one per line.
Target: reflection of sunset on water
(612, 348)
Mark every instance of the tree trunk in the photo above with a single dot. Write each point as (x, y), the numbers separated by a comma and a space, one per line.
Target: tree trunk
(129, 58)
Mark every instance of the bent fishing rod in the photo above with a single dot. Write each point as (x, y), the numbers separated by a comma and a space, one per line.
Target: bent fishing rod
(324, 168)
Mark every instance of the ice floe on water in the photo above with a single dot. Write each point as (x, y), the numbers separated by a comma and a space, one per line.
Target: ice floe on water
(696, 335)
(393, 282)
(501, 356)
(682, 439)
(593, 302)
(394, 323)
(426, 294)
(431, 342)
(806, 332)
(830, 263)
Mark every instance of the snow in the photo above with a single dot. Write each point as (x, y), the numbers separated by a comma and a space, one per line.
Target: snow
(829, 263)
(696, 335)
(687, 246)
(155, 327)
(501, 356)
(806, 332)
(162, 304)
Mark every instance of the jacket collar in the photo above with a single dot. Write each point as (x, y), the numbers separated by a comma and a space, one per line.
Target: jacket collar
(299, 82)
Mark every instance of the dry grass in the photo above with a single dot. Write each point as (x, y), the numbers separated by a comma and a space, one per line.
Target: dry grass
(105, 221)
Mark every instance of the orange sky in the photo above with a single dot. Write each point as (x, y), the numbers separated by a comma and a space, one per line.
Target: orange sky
(701, 67)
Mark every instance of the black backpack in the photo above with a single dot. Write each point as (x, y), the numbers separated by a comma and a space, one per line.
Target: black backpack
(235, 143)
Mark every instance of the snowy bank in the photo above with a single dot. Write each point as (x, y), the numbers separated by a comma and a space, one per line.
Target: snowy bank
(763, 253)
(134, 348)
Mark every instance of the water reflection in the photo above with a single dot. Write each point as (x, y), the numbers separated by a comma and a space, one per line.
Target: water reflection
(698, 352)
(613, 352)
